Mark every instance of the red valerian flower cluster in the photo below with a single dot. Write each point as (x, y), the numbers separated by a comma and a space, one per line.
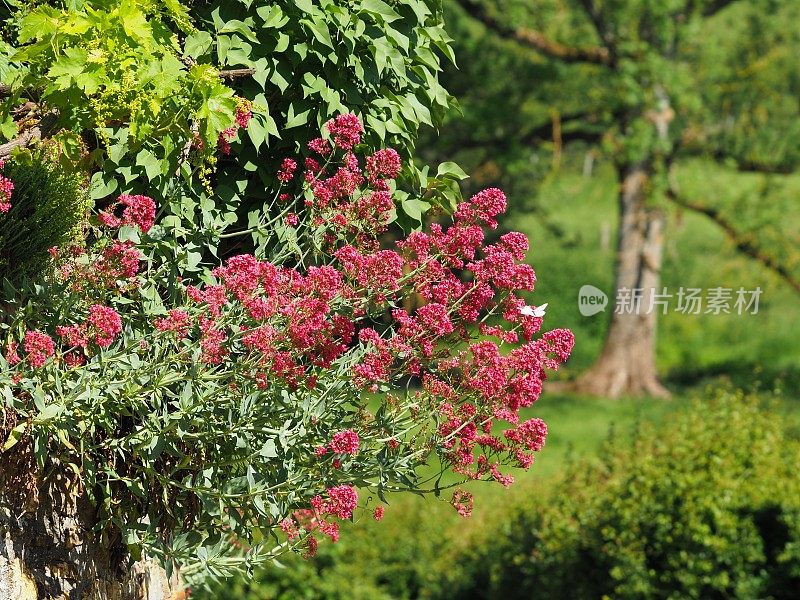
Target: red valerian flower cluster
(39, 347)
(344, 442)
(101, 327)
(339, 503)
(139, 211)
(346, 130)
(463, 502)
(468, 340)
(244, 112)
(6, 187)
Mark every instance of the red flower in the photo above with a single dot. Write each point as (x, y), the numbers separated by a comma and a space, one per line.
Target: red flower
(105, 323)
(286, 172)
(344, 442)
(39, 347)
(346, 130)
(139, 211)
(384, 163)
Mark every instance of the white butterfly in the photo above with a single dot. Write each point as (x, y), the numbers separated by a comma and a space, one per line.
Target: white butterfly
(530, 311)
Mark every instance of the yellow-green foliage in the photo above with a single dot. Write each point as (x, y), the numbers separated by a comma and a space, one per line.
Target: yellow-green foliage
(49, 207)
(706, 505)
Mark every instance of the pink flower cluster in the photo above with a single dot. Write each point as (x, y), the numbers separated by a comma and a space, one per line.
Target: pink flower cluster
(385, 163)
(244, 112)
(286, 173)
(113, 263)
(292, 327)
(344, 442)
(6, 187)
(39, 347)
(339, 197)
(271, 325)
(138, 211)
(102, 326)
(11, 355)
(463, 502)
(340, 503)
(345, 130)
(177, 321)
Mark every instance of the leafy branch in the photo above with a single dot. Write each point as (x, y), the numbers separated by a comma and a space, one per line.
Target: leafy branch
(743, 243)
(599, 55)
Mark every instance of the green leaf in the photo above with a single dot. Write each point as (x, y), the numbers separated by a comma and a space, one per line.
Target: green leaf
(240, 27)
(319, 28)
(378, 7)
(295, 120)
(102, 185)
(451, 170)
(15, 435)
(306, 6)
(39, 24)
(415, 208)
(48, 413)
(272, 16)
(257, 132)
(135, 22)
(69, 67)
(152, 165)
(269, 450)
(197, 44)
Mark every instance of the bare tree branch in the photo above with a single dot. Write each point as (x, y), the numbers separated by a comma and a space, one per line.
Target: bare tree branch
(233, 73)
(742, 242)
(571, 131)
(537, 40)
(43, 129)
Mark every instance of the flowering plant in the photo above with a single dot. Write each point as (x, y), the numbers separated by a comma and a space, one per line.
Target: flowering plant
(218, 423)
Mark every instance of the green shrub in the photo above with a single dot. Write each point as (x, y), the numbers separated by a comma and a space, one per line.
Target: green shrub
(704, 506)
(49, 205)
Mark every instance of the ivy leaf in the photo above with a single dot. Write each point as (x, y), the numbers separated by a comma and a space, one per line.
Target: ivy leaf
(306, 6)
(240, 27)
(151, 164)
(295, 120)
(319, 28)
(272, 16)
(257, 132)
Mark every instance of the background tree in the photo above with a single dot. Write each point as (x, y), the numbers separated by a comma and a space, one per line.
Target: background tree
(652, 87)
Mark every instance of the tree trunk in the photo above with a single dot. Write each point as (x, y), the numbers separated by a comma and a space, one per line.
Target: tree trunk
(626, 365)
(47, 548)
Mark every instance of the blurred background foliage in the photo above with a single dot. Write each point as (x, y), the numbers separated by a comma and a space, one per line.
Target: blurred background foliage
(633, 498)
